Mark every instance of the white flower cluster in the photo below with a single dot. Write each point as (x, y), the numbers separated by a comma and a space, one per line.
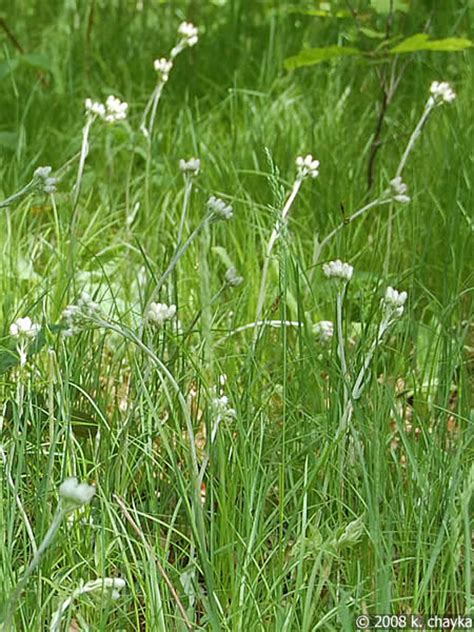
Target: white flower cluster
(159, 313)
(219, 208)
(441, 92)
(324, 330)
(398, 191)
(307, 167)
(48, 184)
(222, 408)
(232, 278)
(190, 167)
(74, 315)
(338, 270)
(189, 34)
(394, 302)
(75, 494)
(163, 68)
(114, 110)
(24, 328)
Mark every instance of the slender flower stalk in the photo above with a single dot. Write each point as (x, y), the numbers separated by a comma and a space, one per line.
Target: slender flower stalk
(306, 167)
(190, 170)
(392, 309)
(72, 495)
(440, 93)
(113, 111)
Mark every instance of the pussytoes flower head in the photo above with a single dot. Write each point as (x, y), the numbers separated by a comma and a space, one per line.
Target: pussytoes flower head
(75, 494)
(163, 68)
(76, 316)
(338, 270)
(46, 183)
(232, 278)
(441, 92)
(159, 313)
(189, 33)
(222, 408)
(116, 110)
(190, 167)
(24, 328)
(324, 330)
(307, 167)
(398, 191)
(219, 208)
(94, 108)
(394, 302)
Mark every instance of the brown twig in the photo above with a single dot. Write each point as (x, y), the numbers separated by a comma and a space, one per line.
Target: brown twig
(11, 36)
(150, 550)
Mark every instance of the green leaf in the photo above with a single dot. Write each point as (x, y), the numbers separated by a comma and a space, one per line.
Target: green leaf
(383, 6)
(421, 41)
(311, 56)
(7, 67)
(319, 13)
(37, 60)
(371, 33)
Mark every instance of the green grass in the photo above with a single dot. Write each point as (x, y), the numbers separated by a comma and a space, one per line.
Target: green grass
(298, 531)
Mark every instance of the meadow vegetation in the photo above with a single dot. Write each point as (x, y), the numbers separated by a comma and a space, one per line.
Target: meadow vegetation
(236, 334)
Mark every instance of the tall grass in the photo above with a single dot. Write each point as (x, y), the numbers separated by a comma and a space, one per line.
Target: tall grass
(296, 526)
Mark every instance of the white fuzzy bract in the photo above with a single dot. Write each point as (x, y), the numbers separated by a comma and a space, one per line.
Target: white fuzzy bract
(338, 270)
(76, 315)
(114, 110)
(75, 494)
(398, 190)
(232, 277)
(307, 166)
(219, 208)
(394, 301)
(189, 33)
(222, 408)
(163, 68)
(95, 108)
(47, 184)
(191, 166)
(159, 313)
(24, 328)
(441, 92)
(324, 330)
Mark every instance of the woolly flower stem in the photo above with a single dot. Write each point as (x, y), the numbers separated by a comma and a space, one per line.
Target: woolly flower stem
(271, 243)
(19, 194)
(48, 538)
(152, 105)
(82, 159)
(173, 263)
(359, 384)
(430, 104)
(340, 340)
(348, 220)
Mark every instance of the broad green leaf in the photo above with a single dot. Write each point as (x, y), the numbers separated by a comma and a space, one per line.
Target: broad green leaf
(384, 6)
(421, 41)
(371, 33)
(312, 56)
(37, 60)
